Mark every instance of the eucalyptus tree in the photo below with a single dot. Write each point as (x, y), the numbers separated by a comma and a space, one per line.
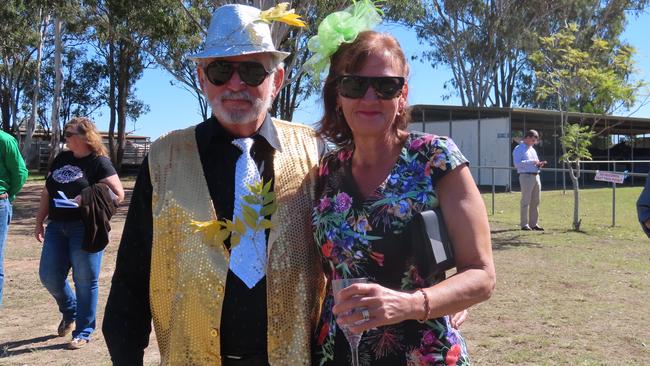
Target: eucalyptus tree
(176, 28)
(43, 14)
(114, 25)
(486, 43)
(18, 45)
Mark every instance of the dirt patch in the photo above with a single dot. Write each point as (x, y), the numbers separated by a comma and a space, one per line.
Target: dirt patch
(29, 316)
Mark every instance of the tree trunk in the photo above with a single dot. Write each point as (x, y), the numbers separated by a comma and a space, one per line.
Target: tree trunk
(576, 201)
(56, 98)
(5, 108)
(112, 105)
(574, 174)
(123, 77)
(27, 151)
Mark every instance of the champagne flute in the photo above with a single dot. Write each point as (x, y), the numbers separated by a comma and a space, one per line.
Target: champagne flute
(353, 338)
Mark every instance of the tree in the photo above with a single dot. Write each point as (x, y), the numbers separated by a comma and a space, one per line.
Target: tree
(17, 47)
(595, 77)
(603, 19)
(486, 43)
(44, 19)
(56, 96)
(115, 22)
(176, 28)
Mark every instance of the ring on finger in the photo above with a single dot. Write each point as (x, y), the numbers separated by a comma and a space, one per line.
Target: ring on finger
(366, 315)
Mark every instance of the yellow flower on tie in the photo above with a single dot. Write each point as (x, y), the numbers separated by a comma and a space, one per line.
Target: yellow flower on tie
(213, 230)
(279, 13)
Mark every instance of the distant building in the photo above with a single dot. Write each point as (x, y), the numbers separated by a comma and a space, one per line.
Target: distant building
(487, 136)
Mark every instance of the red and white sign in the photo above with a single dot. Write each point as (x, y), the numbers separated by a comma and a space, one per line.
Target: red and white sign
(612, 177)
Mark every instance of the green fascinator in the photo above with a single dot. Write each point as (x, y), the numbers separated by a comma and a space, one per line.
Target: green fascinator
(337, 28)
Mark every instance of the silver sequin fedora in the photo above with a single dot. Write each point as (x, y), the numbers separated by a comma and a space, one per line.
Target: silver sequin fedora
(237, 30)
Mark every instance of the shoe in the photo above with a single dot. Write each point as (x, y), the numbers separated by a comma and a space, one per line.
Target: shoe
(526, 228)
(65, 327)
(538, 228)
(77, 343)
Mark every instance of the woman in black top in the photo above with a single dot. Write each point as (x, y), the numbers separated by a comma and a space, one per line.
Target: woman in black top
(83, 164)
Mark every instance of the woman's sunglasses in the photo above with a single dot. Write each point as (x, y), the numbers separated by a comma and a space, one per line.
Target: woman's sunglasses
(251, 73)
(68, 134)
(355, 87)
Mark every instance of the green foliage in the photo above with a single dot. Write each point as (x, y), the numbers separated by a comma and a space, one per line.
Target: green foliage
(592, 79)
(576, 140)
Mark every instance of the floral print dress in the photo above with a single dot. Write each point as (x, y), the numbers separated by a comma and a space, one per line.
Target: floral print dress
(368, 238)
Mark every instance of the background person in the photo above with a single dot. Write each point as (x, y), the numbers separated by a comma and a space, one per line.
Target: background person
(528, 166)
(643, 207)
(13, 175)
(83, 164)
(369, 188)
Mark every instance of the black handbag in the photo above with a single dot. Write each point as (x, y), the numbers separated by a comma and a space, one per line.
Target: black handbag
(432, 249)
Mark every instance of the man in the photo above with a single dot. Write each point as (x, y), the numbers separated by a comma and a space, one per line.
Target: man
(528, 165)
(643, 207)
(252, 301)
(13, 174)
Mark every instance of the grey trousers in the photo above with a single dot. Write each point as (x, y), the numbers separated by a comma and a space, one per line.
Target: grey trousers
(531, 189)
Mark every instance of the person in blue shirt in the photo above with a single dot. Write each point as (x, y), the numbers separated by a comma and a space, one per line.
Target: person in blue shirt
(643, 207)
(528, 166)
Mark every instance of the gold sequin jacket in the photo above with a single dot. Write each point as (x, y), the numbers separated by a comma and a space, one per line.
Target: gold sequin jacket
(188, 273)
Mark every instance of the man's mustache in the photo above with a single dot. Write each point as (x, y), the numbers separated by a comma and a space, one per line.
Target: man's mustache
(237, 96)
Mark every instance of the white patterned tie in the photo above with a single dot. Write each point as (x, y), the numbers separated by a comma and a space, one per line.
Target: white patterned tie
(248, 258)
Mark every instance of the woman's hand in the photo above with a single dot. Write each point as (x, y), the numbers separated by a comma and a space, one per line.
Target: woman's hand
(39, 232)
(384, 306)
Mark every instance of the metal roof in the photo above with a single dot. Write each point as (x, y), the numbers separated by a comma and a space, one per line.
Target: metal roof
(511, 111)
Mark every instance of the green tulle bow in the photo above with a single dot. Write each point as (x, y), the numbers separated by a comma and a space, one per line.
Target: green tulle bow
(337, 28)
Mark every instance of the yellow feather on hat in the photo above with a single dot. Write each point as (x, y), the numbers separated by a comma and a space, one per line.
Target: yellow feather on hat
(279, 13)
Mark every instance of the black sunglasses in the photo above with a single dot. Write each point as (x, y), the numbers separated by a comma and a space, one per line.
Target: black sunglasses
(68, 134)
(251, 73)
(355, 87)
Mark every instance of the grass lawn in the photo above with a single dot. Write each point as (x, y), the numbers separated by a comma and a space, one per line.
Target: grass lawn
(564, 297)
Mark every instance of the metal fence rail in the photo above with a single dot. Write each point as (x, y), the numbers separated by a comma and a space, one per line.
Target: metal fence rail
(565, 170)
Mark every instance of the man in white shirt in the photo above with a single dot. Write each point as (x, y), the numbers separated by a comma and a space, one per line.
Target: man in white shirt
(528, 165)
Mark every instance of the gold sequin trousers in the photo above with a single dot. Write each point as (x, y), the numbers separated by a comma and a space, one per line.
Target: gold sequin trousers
(188, 273)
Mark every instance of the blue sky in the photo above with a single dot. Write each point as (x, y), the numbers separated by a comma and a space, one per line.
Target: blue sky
(172, 107)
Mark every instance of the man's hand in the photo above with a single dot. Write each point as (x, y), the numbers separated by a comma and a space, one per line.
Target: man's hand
(540, 164)
(647, 223)
(458, 319)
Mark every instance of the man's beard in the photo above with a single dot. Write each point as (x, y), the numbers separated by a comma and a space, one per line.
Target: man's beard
(259, 107)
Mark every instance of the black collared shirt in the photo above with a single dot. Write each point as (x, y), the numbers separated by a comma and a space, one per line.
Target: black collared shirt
(127, 319)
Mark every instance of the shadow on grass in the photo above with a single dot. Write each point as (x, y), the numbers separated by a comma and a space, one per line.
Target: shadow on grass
(514, 241)
(6, 348)
(499, 231)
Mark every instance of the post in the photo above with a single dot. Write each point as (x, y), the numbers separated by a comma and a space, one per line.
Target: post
(614, 200)
(563, 177)
(492, 191)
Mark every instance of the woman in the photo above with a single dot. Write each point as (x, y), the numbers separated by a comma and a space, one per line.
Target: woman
(83, 164)
(370, 187)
